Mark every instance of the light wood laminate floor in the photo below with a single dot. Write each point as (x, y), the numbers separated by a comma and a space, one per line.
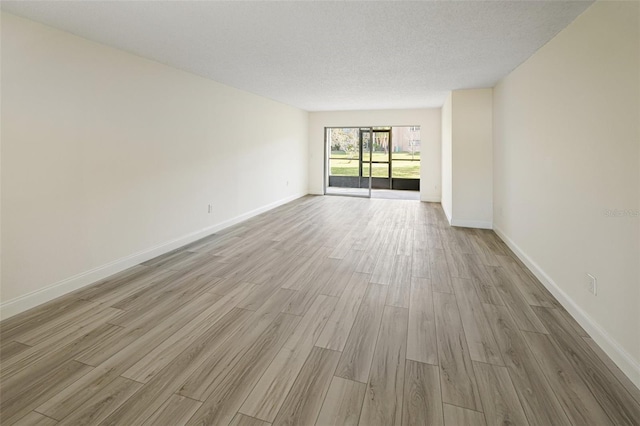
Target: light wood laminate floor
(327, 311)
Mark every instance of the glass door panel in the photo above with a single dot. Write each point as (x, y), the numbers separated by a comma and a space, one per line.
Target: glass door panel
(365, 162)
(405, 157)
(381, 159)
(343, 167)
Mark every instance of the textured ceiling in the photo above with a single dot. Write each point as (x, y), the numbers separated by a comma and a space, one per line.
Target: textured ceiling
(323, 55)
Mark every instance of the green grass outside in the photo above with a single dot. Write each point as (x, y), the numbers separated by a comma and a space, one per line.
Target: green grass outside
(377, 156)
(401, 169)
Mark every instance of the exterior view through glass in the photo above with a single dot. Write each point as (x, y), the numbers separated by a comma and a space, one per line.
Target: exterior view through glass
(393, 159)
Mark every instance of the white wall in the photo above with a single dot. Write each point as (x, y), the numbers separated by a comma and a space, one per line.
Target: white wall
(0, 160)
(472, 158)
(566, 150)
(428, 120)
(467, 159)
(109, 159)
(447, 158)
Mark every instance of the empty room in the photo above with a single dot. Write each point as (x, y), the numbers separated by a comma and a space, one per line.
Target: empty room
(258, 213)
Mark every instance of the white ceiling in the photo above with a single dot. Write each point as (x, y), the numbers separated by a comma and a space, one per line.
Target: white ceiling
(323, 55)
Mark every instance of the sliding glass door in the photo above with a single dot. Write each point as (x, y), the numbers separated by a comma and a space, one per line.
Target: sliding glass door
(359, 159)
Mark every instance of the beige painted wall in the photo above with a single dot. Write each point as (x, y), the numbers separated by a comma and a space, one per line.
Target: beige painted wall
(108, 159)
(566, 151)
(467, 159)
(428, 120)
(0, 158)
(472, 158)
(447, 151)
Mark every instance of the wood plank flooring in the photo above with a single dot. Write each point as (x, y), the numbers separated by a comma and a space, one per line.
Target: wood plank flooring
(324, 311)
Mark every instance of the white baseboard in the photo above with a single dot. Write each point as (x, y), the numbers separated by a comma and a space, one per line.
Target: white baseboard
(446, 214)
(471, 223)
(624, 360)
(33, 299)
(430, 199)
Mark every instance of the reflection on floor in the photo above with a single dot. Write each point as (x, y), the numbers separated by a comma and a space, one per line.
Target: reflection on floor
(375, 193)
(357, 192)
(395, 194)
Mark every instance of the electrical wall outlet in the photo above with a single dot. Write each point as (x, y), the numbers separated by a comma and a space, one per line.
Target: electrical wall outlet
(592, 284)
(210, 208)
